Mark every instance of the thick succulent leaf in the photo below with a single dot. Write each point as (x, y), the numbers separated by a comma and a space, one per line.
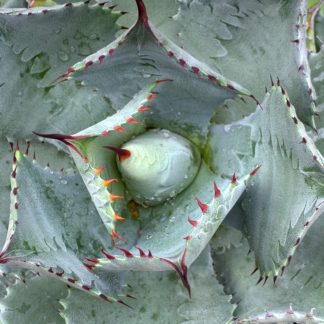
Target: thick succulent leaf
(160, 298)
(43, 151)
(142, 55)
(52, 224)
(295, 297)
(317, 66)
(287, 195)
(75, 30)
(248, 41)
(168, 238)
(38, 62)
(33, 301)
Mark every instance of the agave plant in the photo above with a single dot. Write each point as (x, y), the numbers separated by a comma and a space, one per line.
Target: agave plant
(162, 162)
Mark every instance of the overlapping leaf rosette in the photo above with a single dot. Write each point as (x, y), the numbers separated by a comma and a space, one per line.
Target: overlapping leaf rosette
(160, 175)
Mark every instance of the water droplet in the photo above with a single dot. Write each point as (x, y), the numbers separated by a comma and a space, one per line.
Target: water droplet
(63, 56)
(93, 36)
(72, 49)
(84, 49)
(149, 236)
(64, 182)
(57, 31)
(172, 193)
(147, 75)
(172, 219)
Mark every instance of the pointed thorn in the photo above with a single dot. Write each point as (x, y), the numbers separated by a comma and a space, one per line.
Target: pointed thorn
(93, 260)
(203, 207)
(86, 287)
(254, 271)
(289, 259)
(131, 120)
(108, 182)
(272, 83)
(282, 270)
(142, 254)
(117, 217)
(119, 129)
(122, 153)
(105, 133)
(104, 297)
(152, 95)
(99, 170)
(265, 280)
(27, 148)
(126, 252)
(114, 235)
(296, 41)
(144, 108)
(163, 81)
(130, 296)
(106, 254)
(88, 266)
(149, 255)
(275, 279)
(142, 14)
(217, 192)
(113, 198)
(297, 241)
(123, 303)
(255, 170)
(260, 279)
(303, 141)
(193, 222)
(234, 179)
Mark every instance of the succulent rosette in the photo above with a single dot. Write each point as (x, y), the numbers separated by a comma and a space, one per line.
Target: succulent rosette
(177, 168)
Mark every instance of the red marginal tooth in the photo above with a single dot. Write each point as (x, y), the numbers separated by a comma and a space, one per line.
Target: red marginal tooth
(117, 217)
(107, 255)
(201, 205)
(187, 238)
(275, 279)
(60, 274)
(182, 62)
(195, 70)
(72, 280)
(15, 191)
(151, 96)
(193, 222)
(93, 260)
(212, 77)
(217, 192)
(108, 182)
(113, 197)
(149, 255)
(105, 133)
(142, 254)
(234, 179)
(122, 153)
(255, 170)
(229, 86)
(143, 108)
(104, 297)
(111, 51)
(88, 266)
(131, 120)
(119, 129)
(99, 170)
(126, 252)
(123, 303)
(86, 287)
(101, 58)
(114, 235)
(89, 63)
(16, 205)
(303, 141)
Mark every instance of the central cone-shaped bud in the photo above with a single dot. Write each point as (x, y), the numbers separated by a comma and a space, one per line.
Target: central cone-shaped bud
(161, 164)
